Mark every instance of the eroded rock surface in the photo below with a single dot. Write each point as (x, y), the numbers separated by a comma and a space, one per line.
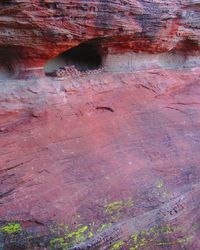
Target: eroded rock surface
(105, 155)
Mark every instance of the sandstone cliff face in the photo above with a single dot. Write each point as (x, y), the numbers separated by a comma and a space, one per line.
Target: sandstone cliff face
(99, 124)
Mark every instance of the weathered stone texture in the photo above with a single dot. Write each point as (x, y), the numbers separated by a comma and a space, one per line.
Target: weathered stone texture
(104, 157)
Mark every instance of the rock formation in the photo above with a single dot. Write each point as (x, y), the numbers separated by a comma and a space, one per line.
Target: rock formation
(99, 124)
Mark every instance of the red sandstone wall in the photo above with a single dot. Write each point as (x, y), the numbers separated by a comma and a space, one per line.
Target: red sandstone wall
(107, 160)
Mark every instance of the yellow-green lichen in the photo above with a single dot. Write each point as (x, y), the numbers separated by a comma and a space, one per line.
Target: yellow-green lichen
(167, 230)
(145, 237)
(114, 207)
(104, 226)
(159, 184)
(90, 234)
(66, 238)
(117, 245)
(129, 203)
(59, 242)
(79, 234)
(138, 242)
(135, 247)
(11, 228)
(91, 230)
(118, 206)
(135, 237)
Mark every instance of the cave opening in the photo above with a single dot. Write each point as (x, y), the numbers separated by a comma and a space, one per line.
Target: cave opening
(84, 57)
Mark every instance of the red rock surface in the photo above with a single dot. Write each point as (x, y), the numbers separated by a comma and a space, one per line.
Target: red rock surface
(113, 154)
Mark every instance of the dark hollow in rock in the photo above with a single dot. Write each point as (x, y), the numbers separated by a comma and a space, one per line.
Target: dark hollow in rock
(86, 56)
(9, 62)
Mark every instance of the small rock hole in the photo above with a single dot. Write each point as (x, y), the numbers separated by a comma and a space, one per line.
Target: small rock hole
(105, 108)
